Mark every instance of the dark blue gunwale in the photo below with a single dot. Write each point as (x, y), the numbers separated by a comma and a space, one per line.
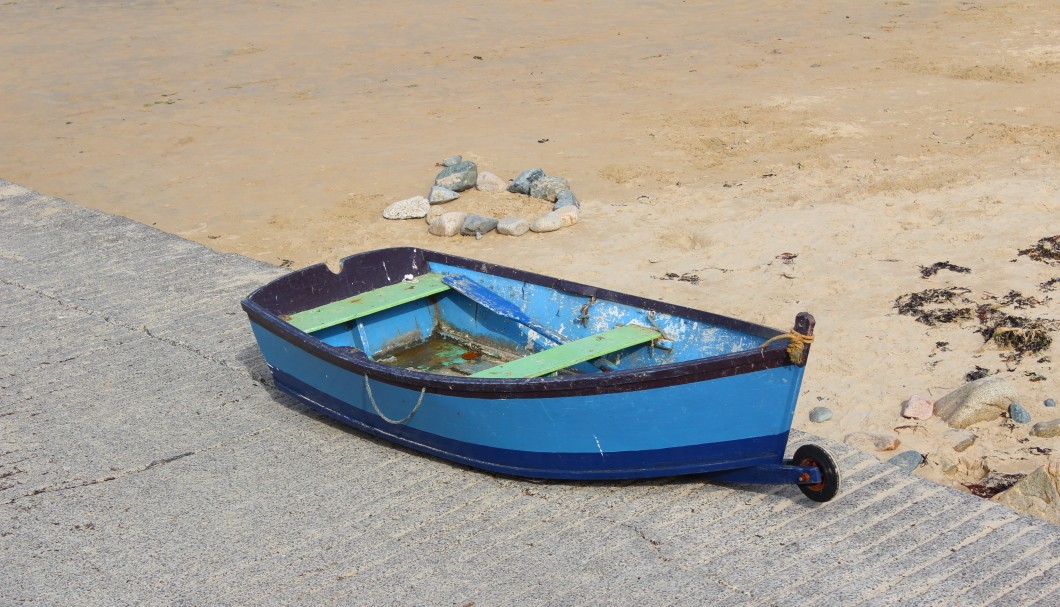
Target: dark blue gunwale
(316, 285)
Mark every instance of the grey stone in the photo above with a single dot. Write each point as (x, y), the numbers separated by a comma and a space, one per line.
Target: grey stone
(820, 414)
(410, 208)
(1018, 414)
(459, 177)
(451, 160)
(513, 226)
(565, 198)
(488, 182)
(907, 460)
(547, 188)
(521, 184)
(959, 439)
(447, 224)
(1037, 494)
(1049, 429)
(977, 401)
(440, 195)
(477, 225)
(1050, 402)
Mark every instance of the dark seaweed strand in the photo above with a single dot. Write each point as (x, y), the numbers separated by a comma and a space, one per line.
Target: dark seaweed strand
(929, 271)
(1047, 250)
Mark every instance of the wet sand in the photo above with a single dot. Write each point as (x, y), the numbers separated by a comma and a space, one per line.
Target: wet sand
(702, 140)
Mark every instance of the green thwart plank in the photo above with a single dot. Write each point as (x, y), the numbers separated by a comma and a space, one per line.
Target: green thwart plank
(572, 353)
(377, 300)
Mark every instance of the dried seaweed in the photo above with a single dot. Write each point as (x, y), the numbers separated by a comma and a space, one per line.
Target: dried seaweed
(686, 277)
(913, 304)
(929, 271)
(994, 483)
(978, 373)
(1017, 332)
(1050, 285)
(1047, 250)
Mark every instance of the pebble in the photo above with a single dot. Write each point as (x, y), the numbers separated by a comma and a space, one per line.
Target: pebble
(872, 441)
(959, 440)
(447, 224)
(917, 407)
(459, 177)
(521, 184)
(976, 401)
(820, 414)
(565, 198)
(410, 208)
(488, 182)
(451, 161)
(907, 460)
(435, 212)
(1050, 402)
(547, 223)
(568, 214)
(1049, 429)
(477, 225)
(513, 226)
(1018, 414)
(547, 188)
(441, 195)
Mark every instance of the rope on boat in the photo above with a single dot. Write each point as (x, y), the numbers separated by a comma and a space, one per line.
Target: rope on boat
(796, 346)
(371, 399)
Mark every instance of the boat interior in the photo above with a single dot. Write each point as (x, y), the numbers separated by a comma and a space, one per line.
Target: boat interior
(453, 321)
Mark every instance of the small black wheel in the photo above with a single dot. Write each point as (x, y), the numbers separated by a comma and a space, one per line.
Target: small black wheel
(812, 455)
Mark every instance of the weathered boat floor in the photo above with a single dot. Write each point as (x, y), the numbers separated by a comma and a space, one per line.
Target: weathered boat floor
(145, 460)
(444, 355)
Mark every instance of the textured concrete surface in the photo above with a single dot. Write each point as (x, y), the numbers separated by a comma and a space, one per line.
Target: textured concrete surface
(145, 459)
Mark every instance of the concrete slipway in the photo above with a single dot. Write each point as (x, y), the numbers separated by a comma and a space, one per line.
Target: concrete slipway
(145, 459)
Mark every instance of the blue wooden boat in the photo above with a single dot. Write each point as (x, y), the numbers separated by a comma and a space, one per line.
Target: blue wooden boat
(527, 375)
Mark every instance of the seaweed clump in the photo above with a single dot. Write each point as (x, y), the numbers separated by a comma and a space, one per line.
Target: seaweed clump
(915, 305)
(993, 483)
(1047, 250)
(933, 269)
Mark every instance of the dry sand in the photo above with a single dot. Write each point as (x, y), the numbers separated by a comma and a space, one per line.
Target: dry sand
(702, 138)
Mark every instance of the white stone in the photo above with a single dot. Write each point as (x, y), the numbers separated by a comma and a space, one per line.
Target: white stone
(488, 182)
(917, 407)
(410, 208)
(568, 215)
(977, 401)
(447, 224)
(549, 222)
(435, 212)
(513, 226)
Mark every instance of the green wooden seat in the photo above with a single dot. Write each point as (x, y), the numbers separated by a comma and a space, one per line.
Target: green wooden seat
(572, 353)
(363, 304)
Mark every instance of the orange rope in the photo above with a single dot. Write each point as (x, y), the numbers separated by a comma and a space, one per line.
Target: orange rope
(796, 347)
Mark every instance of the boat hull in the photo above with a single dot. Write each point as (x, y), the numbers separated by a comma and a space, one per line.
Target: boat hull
(723, 412)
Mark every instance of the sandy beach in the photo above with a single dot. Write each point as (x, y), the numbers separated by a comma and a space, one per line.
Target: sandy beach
(779, 157)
